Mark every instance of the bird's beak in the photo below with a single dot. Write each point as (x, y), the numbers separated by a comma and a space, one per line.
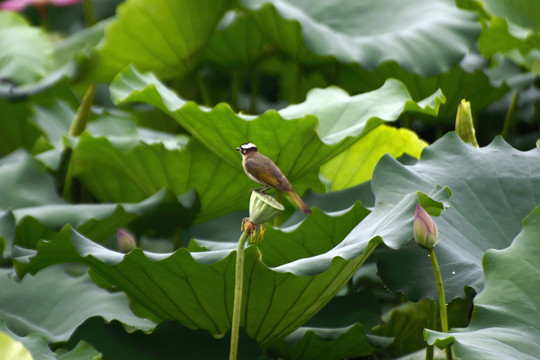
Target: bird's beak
(238, 148)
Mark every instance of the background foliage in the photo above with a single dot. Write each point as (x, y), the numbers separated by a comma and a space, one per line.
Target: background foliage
(126, 114)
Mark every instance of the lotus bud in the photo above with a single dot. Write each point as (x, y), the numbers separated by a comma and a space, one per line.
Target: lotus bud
(263, 207)
(425, 231)
(464, 123)
(125, 240)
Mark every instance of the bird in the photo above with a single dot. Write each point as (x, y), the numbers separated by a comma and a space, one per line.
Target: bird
(262, 170)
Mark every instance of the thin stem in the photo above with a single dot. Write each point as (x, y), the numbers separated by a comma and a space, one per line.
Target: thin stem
(509, 115)
(43, 16)
(442, 298)
(88, 13)
(238, 287)
(204, 91)
(429, 352)
(433, 325)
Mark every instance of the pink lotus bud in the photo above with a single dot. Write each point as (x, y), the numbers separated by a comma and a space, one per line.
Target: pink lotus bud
(125, 240)
(425, 231)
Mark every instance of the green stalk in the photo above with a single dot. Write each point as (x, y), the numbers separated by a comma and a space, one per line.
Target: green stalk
(238, 287)
(204, 91)
(88, 13)
(509, 115)
(76, 129)
(429, 352)
(442, 298)
(430, 348)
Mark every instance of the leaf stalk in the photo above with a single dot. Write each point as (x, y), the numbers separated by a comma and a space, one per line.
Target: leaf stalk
(238, 288)
(442, 298)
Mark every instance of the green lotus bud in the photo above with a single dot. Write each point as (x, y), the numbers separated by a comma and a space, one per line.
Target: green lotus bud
(464, 123)
(425, 231)
(263, 207)
(125, 240)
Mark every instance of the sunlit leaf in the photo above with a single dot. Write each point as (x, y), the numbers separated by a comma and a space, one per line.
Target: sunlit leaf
(34, 346)
(175, 32)
(355, 165)
(300, 142)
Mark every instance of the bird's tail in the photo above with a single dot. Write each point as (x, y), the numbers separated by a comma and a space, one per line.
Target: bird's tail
(301, 204)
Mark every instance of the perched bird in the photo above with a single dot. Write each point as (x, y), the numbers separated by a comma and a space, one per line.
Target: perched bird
(262, 170)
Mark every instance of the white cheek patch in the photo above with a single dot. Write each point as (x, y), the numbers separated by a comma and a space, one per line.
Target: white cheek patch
(247, 146)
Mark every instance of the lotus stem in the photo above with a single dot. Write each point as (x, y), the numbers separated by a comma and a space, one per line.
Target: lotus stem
(89, 13)
(509, 115)
(442, 298)
(238, 288)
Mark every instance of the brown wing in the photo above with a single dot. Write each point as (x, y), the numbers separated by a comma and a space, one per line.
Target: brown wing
(266, 172)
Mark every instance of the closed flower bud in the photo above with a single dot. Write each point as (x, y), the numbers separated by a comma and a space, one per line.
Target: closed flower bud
(464, 123)
(125, 240)
(263, 207)
(425, 231)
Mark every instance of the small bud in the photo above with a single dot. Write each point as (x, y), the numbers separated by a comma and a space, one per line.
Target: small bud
(464, 123)
(263, 207)
(425, 231)
(125, 240)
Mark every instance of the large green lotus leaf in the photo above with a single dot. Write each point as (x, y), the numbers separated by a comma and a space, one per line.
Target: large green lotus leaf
(34, 210)
(299, 138)
(65, 57)
(497, 38)
(26, 51)
(25, 183)
(80, 44)
(466, 80)
(505, 323)
(34, 346)
(356, 164)
(328, 229)
(296, 238)
(220, 233)
(337, 331)
(197, 288)
(425, 37)
(225, 48)
(493, 189)
(126, 169)
(524, 13)
(406, 322)
(54, 304)
(15, 130)
(160, 214)
(320, 343)
(114, 342)
(164, 36)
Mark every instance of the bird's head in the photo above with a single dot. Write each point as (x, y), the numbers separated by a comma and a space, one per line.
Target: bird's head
(247, 148)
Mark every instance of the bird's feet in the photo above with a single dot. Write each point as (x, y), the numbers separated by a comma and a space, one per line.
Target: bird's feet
(261, 189)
